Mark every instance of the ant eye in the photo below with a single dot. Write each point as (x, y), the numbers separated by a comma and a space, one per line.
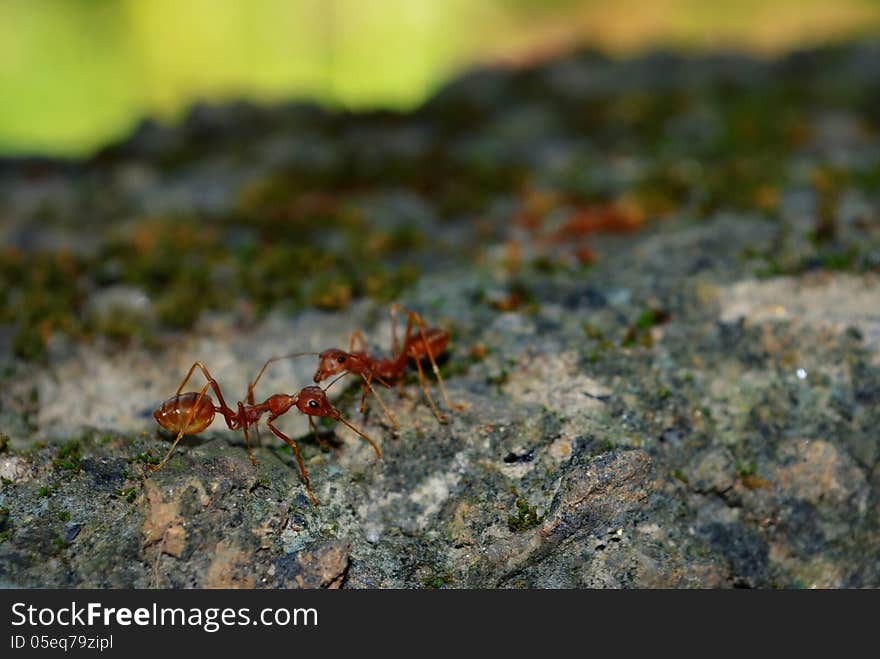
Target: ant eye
(341, 359)
(313, 403)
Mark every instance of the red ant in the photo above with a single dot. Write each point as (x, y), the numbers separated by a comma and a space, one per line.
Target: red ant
(192, 412)
(428, 342)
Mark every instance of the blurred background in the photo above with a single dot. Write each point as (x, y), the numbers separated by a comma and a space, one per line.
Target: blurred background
(76, 74)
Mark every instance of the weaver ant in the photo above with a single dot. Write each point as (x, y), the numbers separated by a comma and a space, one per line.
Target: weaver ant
(192, 412)
(427, 342)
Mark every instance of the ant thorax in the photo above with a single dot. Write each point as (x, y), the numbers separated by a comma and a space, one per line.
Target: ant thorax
(278, 404)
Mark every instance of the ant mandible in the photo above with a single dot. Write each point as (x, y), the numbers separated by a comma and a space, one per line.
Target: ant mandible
(192, 412)
(425, 342)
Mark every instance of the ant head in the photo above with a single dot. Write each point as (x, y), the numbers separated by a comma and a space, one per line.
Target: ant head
(313, 401)
(331, 362)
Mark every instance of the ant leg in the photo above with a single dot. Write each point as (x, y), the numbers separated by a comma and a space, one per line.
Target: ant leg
(392, 311)
(398, 351)
(357, 338)
(299, 460)
(183, 430)
(188, 376)
(414, 318)
(224, 409)
(247, 443)
(336, 416)
(257, 440)
(434, 366)
(368, 388)
(441, 418)
(251, 385)
(321, 442)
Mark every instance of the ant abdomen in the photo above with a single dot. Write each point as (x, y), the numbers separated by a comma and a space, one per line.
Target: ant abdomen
(434, 338)
(174, 413)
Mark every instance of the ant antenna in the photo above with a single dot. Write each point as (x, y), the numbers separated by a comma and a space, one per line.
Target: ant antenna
(292, 355)
(335, 380)
(341, 418)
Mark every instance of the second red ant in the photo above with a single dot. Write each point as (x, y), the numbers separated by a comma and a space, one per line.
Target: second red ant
(417, 345)
(191, 412)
